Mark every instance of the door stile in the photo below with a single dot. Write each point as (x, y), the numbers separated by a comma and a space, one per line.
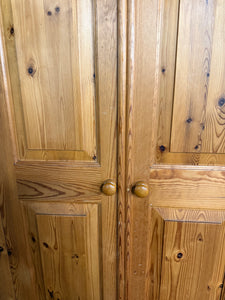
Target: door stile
(122, 89)
(143, 59)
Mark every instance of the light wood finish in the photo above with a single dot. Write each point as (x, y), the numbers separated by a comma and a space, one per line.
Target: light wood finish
(170, 243)
(75, 225)
(193, 64)
(192, 261)
(69, 249)
(122, 89)
(154, 258)
(185, 187)
(57, 107)
(167, 67)
(23, 277)
(108, 187)
(193, 55)
(141, 74)
(181, 193)
(70, 103)
(186, 254)
(140, 189)
(6, 283)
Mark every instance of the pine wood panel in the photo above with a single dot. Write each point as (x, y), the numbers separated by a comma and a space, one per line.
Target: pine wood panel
(23, 278)
(169, 32)
(68, 176)
(55, 54)
(213, 137)
(193, 261)
(154, 255)
(122, 75)
(6, 283)
(142, 57)
(185, 187)
(55, 182)
(153, 30)
(197, 120)
(70, 256)
(185, 254)
(193, 65)
(57, 231)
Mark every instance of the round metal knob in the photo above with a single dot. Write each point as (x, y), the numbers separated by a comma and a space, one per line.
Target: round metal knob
(140, 189)
(108, 187)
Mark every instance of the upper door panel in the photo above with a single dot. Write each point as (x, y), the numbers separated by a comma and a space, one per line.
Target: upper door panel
(51, 48)
(191, 86)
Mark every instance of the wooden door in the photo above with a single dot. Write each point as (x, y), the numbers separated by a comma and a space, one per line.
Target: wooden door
(175, 145)
(58, 145)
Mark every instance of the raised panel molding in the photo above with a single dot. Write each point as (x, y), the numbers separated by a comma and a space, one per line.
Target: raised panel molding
(190, 88)
(185, 254)
(64, 241)
(51, 65)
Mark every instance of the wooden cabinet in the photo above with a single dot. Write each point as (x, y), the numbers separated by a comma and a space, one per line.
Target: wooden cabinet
(112, 149)
(174, 238)
(59, 85)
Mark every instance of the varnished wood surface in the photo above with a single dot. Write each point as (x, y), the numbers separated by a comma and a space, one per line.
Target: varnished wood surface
(193, 64)
(56, 182)
(154, 258)
(183, 201)
(23, 277)
(141, 75)
(186, 257)
(88, 235)
(74, 173)
(6, 283)
(167, 67)
(69, 247)
(192, 261)
(140, 189)
(57, 108)
(177, 187)
(109, 187)
(122, 81)
(153, 39)
(191, 69)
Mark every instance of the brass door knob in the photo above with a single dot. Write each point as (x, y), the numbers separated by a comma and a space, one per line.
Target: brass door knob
(108, 187)
(140, 189)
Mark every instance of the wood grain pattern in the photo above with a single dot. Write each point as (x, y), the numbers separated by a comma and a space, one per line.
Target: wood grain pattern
(142, 53)
(122, 81)
(54, 181)
(193, 261)
(197, 111)
(185, 257)
(194, 54)
(154, 255)
(66, 176)
(70, 256)
(6, 283)
(23, 277)
(213, 137)
(106, 25)
(180, 187)
(47, 222)
(194, 191)
(55, 54)
(169, 30)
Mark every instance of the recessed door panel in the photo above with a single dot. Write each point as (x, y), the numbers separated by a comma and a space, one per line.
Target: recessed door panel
(191, 88)
(53, 80)
(65, 245)
(190, 244)
(175, 147)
